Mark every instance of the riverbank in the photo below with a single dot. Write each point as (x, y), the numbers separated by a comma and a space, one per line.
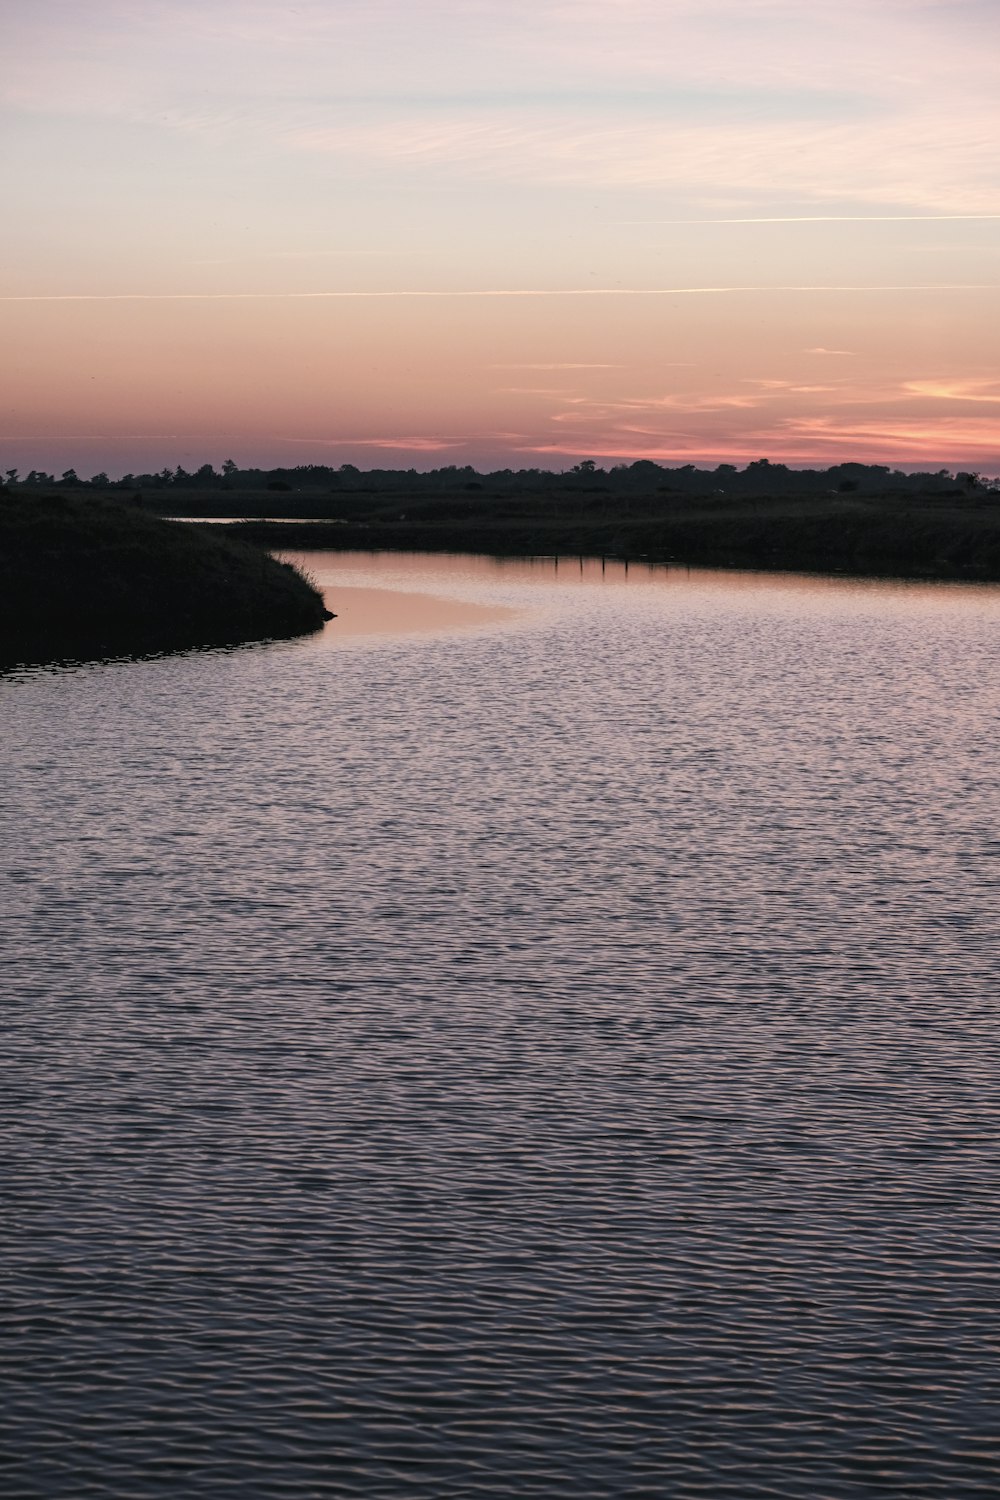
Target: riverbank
(84, 577)
(877, 538)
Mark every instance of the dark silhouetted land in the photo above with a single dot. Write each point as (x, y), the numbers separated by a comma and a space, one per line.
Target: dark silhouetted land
(852, 518)
(91, 558)
(82, 576)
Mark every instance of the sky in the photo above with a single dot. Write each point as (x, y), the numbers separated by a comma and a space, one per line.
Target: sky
(511, 233)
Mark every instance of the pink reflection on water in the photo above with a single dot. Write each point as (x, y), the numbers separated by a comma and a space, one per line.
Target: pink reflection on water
(392, 594)
(389, 611)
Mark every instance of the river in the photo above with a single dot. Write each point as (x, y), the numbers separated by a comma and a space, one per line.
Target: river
(537, 1038)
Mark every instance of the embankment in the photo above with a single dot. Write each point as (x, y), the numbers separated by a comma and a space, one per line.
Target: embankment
(873, 538)
(83, 577)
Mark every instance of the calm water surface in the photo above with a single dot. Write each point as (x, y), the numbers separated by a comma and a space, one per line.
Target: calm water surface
(547, 1048)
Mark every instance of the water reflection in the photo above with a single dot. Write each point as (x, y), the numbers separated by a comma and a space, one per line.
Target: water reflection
(394, 594)
(398, 612)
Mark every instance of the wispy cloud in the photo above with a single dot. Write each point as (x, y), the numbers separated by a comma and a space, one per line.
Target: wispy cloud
(787, 387)
(945, 166)
(915, 127)
(582, 411)
(437, 294)
(986, 391)
(530, 390)
(795, 439)
(303, 255)
(556, 365)
(944, 435)
(830, 219)
(417, 443)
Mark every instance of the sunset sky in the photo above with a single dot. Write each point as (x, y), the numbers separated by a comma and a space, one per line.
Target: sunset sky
(498, 232)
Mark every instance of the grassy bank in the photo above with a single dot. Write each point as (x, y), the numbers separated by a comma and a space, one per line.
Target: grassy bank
(83, 576)
(851, 518)
(877, 537)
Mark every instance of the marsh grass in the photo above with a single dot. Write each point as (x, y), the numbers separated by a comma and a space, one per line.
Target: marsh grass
(877, 537)
(86, 574)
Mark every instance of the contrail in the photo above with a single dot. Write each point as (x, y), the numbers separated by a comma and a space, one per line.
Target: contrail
(840, 218)
(583, 291)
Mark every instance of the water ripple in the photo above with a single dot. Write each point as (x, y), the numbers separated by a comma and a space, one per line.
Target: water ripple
(558, 1060)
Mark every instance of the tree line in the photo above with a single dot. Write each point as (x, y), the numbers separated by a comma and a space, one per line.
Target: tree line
(641, 477)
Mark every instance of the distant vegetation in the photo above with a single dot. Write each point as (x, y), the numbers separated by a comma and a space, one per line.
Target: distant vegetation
(81, 576)
(333, 491)
(857, 518)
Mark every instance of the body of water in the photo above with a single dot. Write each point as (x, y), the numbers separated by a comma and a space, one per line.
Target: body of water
(537, 1038)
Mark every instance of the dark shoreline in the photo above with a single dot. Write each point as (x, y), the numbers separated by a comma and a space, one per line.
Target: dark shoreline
(87, 574)
(83, 578)
(863, 520)
(856, 542)
(859, 520)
